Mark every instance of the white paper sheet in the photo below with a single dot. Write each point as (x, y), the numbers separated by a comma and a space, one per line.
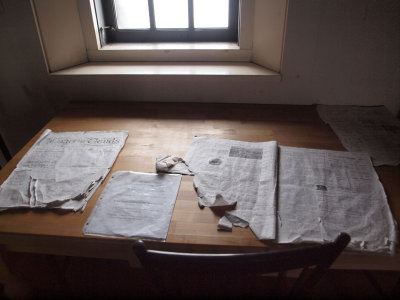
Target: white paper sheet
(62, 170)
(323, 193)
(237, 173)
(135, 205)
(373, 130)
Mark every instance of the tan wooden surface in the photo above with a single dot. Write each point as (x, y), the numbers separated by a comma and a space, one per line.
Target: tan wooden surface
(168, 128)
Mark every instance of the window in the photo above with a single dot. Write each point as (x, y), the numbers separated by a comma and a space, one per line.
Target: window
(71, 40)
(142, 21)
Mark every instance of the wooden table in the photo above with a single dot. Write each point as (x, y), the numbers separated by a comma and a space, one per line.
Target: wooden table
(168, 128)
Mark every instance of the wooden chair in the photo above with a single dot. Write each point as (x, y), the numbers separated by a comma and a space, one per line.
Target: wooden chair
(240, 274)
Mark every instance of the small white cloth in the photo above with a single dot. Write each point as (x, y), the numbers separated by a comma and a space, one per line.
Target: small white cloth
(224, 224)
(172, 164)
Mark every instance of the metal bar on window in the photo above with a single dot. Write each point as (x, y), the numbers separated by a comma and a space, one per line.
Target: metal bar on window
(151, 15)
(190, 14)
(233, 13)
(112, 34)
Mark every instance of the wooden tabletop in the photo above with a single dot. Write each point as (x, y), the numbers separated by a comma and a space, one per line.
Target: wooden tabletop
(168, 128)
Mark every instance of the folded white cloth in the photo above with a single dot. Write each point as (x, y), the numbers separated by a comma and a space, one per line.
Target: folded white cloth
(172, 164)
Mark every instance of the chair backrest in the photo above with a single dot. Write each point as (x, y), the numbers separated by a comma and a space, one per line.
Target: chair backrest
(243, 264)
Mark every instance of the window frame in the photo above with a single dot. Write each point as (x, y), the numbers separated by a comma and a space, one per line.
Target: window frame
(111, 34)
(70, 39)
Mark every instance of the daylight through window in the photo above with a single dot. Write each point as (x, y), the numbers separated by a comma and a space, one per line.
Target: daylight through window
(130, 21)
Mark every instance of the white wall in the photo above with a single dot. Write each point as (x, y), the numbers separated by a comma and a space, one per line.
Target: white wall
(336, 52)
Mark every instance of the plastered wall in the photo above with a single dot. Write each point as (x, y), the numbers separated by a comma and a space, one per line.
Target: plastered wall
(336, 52)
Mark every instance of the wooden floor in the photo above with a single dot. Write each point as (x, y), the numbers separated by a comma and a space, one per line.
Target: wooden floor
(76, 278)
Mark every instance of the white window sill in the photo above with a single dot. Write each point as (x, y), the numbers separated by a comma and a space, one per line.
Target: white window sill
(172, 46)
(172, 69)
(170, 52)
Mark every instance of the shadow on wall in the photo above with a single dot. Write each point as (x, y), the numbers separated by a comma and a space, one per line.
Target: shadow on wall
(5, 155)
(25, 104)
(2, 160)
